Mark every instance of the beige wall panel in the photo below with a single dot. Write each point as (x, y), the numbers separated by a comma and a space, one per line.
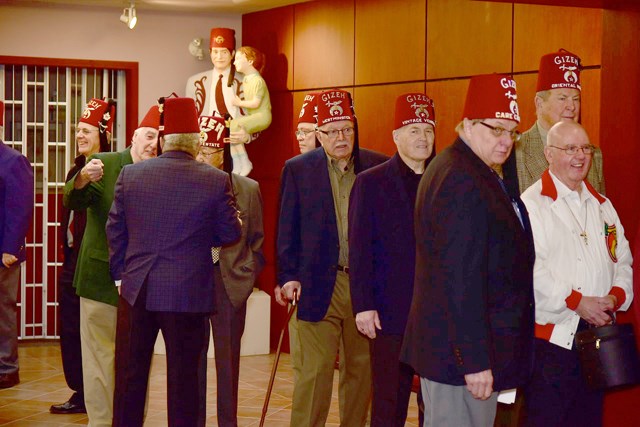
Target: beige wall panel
(375, 108)
(390, 40)
(539, 30)
(465, 38)
(448, 97)
(271, 32)
(324, 44)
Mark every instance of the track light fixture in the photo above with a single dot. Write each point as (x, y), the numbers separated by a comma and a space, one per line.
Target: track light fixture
(129, 16)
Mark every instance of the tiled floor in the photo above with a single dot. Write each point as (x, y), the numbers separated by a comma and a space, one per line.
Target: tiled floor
(42, 384)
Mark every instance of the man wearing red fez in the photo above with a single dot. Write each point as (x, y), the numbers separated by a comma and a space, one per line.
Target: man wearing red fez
(582, 277)
(307, 141)
(235, 270)
(92, 136)
(313, 261)
(167, 214)
(469, 333)
(382, 248)
(92, 189)
(305, 131)
(16, 210)
(214, 90)
(558, 97)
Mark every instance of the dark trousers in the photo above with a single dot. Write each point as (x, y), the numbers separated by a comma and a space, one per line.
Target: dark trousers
(136, 334)
(228, 326)
(557, 395)
(9, 283)
(69, 304)
(391, 381)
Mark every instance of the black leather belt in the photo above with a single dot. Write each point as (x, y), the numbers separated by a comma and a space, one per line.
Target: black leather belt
(343, 268)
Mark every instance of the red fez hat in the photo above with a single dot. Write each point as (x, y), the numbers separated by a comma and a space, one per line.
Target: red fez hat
(1, 113)
(308, 112)
(492, 96)
(223, 37)
(559, 70)
(212, 131)
(100, 114)
(180, 116)
(334, 105)
(151, 119)
(414, 108)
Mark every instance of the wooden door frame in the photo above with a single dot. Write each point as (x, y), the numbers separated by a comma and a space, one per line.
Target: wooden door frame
(131, 77)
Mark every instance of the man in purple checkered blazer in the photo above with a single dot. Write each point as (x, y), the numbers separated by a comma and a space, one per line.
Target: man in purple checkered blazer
(167, 214)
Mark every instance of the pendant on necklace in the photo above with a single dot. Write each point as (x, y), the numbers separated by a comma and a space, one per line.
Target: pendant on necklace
(585, 237)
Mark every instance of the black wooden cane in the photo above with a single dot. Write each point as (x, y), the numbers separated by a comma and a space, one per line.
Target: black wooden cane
(265, 407)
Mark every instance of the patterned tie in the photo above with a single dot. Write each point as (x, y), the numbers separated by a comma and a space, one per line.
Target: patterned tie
(222, 107)
(215, 254)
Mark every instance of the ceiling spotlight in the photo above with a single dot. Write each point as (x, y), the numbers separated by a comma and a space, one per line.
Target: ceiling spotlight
(129, 16)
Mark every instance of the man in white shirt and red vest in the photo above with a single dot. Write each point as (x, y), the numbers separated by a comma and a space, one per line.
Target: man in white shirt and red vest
(582, 276)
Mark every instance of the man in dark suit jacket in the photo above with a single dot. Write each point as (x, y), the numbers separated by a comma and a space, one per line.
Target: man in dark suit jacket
(167, 214)
(92, 189)
(313, 261)
(382, 254)
(89, 141)
(470, 328)
(236, 268)
(16, 209)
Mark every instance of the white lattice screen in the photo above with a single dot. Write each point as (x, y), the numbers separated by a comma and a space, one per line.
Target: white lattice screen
(42, 107)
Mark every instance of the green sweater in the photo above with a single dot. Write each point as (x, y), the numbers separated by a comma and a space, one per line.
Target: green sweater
(92, 279)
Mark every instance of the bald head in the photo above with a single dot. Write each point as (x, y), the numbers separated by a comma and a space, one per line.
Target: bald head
(566, 130)
(569, 152)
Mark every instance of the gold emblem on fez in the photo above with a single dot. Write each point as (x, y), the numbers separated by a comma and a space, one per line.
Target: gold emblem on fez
(334, 108)
(87, 111)
(421, 111)
(569, 73)
(219, 39)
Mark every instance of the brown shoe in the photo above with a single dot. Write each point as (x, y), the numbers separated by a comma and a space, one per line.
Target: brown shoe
(9, 380)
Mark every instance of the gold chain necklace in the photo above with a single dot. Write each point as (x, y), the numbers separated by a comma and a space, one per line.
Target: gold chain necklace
(583, 230)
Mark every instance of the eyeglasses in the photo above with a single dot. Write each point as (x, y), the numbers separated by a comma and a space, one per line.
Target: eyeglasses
(333, 133)
(573, 149)
(85, 131)
(499, 131)
(210, 153)
(303, 133)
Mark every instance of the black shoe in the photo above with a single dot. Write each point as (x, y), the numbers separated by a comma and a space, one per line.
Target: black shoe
(68, 408)
(9, 380)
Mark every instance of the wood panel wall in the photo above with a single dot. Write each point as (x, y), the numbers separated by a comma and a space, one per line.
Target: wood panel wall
(378, 49)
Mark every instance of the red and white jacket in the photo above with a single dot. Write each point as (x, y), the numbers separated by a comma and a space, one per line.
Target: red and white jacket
(566, 266)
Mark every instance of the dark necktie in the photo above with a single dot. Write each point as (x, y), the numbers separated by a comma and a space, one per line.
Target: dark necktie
(222, 107)
(70, 230)
(514, 203)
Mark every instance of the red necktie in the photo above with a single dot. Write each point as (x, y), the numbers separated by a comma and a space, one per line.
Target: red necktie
(222, 107)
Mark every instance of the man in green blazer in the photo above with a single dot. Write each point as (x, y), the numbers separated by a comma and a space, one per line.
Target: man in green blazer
(92, 189)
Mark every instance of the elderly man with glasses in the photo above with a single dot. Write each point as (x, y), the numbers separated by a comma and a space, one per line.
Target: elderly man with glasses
(236, 269)
(558, 98)
(582, 276)
(469, 333)
(313, 265)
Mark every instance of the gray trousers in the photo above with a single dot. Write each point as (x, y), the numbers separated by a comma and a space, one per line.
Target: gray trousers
(9, 282)
(453, 406)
